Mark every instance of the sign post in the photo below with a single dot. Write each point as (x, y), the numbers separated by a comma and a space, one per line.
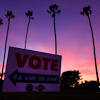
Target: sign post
(29, 70)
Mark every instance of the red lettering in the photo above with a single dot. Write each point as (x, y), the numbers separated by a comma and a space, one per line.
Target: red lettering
(35, 62)
(21, 62)
(54, 65)
(46, 61)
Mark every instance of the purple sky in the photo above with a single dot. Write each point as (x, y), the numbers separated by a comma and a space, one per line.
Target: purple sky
(73, 31)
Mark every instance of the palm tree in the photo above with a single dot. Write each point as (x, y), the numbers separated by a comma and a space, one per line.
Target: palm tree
(9, 15)
(1, 21)
(29, 14)
(87, 11)
(53, 10)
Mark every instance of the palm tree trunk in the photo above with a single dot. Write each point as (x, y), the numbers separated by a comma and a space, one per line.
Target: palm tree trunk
(27, 32)
(5, 49)
(94, 49)
(55, 36)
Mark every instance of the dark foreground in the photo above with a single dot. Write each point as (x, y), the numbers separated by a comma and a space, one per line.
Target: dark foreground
(68, 95)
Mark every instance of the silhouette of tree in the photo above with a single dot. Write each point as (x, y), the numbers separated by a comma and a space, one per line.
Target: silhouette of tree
(9, 15)
(87, 11)
(70, 79)
(89, 85)
(53, 10)
(1, 21)
(29, 14)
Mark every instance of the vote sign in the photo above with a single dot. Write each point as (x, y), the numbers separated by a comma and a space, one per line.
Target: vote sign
(29, 70)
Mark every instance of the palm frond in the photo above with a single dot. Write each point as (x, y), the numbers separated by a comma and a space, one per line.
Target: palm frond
(32, 18)
(48, 11)
(1, 21)
(82, 13)
(87, 10)
(29, 13)
(53, 9)
(59, 11)
(9, 14)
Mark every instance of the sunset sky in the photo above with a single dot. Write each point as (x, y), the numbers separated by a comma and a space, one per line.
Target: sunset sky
(73, 31)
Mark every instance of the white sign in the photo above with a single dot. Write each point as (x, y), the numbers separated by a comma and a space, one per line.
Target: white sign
(29, 70)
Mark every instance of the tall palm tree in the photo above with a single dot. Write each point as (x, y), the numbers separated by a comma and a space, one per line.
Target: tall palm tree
(1, 21)
(29, 14)
(53, 10)
(9, 15)
(87, 11)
